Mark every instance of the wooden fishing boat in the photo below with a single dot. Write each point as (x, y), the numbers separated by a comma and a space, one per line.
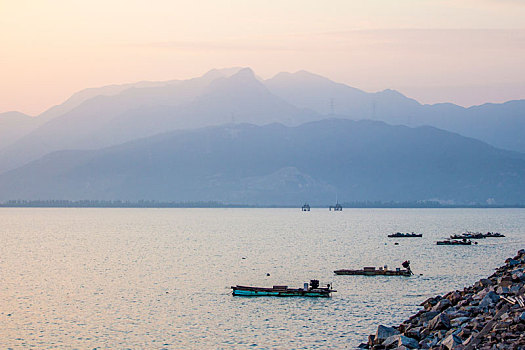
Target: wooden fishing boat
(382, 271)
(403, 235)
(309, 290)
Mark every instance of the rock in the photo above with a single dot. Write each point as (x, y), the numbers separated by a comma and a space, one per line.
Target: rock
(470, 309)
(384, 332)
(481, 294)
(464, 302)
(371, 339)
(516, 276)
(362, 346)
(485, 282)
(391, 341)
(457, 313)
(442, 305)
(429, 315)
(454, 298)
(425, 332)
(503, 290)
(459, 321)
(522, 317)
(515, 289)
(408, 342)
(505, 281)
(449, 332)
(469, 339)
(425, 343)
(464, 333)
(452, 342)
(441, 321)
(489, 299)
(414, 333)
(427, 304)
(512, 262)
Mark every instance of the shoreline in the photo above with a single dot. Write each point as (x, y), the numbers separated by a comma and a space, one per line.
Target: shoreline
(487, 315)
(213, 204)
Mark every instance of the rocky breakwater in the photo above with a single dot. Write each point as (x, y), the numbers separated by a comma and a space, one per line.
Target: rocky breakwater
(488, 315)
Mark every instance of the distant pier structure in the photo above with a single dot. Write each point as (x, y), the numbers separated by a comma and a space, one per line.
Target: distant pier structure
(336, 207)
(306, 207)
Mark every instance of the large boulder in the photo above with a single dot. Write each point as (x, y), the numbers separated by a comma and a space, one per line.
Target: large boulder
(383, 332)
(489, 299)
(452, 342)
(392, 341)
(441, 321)
(414, 333)
(427, 316)
(408, 342)
(442, 305)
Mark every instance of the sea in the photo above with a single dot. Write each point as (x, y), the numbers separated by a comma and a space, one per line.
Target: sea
(75, 278)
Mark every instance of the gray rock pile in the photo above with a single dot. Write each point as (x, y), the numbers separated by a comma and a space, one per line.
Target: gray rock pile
(488, 315)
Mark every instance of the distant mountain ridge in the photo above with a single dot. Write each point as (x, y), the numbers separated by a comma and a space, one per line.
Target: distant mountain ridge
(276, 164)
(70, 148)
(500, 125)
(95, 118)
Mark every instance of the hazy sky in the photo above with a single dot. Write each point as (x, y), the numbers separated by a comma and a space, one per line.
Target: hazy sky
(463, 51)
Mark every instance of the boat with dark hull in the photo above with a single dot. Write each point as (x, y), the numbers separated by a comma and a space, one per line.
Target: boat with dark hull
(309, 290)
(469, 235)
(405, 235)
(463, 241)
(382, 271)
(493, 234)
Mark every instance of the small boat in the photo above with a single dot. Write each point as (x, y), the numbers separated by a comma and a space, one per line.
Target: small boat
(309, 290)
(402, 235)
(372, 271)
(463, 241)
(493, 234)
(469, 235)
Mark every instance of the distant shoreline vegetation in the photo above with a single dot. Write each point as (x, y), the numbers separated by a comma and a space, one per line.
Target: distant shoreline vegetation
(215, 204)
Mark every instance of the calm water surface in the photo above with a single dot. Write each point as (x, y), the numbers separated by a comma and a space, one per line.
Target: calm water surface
(160, 278)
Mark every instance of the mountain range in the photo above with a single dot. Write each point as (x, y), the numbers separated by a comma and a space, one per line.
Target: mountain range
(295, 138)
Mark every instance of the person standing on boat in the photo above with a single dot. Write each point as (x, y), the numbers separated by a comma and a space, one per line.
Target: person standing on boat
(406, 265)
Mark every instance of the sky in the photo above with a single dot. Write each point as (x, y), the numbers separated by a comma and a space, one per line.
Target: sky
(463, 51)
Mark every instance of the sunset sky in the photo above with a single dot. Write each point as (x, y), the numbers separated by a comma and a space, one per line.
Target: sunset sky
(463, 51)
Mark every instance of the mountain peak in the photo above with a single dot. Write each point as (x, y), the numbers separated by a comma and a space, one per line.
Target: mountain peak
(244, 73)
(243, 78)
(222, 72)
(302, 75)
